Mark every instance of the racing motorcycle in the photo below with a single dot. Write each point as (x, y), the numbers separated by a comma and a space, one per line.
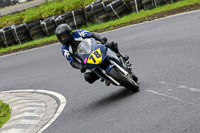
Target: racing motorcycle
(106, 64)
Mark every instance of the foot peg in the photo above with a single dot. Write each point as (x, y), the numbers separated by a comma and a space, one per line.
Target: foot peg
(107, 83)
(102, 80)
(128, 64)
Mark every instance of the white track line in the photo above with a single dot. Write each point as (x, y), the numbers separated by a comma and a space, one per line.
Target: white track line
(162, 94)
(171, 97)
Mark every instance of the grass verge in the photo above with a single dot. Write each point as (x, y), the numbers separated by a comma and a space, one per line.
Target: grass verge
(134, 18)
(45, 10)
(5, 113)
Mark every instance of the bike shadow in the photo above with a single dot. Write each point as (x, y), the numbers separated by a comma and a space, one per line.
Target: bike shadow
(114, 97)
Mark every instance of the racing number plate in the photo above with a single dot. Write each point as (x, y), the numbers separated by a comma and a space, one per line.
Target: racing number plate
(95, 57)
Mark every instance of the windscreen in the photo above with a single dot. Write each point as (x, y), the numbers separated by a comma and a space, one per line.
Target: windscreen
(86, 46)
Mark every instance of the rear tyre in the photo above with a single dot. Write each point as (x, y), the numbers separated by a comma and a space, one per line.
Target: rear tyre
(119, 77)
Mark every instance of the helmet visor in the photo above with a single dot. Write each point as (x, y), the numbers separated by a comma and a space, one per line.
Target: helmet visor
(63, 38)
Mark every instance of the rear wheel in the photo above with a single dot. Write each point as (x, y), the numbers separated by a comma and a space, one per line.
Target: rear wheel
(127, 82)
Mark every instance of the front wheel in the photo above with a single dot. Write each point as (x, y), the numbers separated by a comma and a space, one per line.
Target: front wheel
(125, 81)
(134, 77)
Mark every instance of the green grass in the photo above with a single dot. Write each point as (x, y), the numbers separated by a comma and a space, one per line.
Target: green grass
(5, 113)
(31, 43)
(125, 19)
(43, 11)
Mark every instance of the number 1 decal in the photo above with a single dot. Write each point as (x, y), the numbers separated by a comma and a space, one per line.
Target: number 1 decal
(95, 57)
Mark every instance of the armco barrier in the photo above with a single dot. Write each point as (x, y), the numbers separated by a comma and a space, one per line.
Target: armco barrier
(96, 12)
(1, 42)
(76, 18)
(61, 19)
(35, 29)
(148, 4)
(4, 3)
(88, 11)
(49, 26)
(136, 5)
(7, 36)
(117, 9)
(17, 6)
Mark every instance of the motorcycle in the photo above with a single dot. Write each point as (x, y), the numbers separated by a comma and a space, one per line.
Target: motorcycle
(106, 64)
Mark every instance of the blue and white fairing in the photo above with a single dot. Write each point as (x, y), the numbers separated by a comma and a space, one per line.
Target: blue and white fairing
(100, 59)
(91, 53)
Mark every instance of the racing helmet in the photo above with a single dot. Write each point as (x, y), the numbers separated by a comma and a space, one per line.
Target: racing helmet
(64, 34)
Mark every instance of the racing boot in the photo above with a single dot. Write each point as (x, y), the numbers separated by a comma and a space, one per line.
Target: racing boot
(114, 46)
(125, 57)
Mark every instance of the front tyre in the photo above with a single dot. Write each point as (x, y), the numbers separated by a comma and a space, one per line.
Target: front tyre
(134, 77)
(127, 82)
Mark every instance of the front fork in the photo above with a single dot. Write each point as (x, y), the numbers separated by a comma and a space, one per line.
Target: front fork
(103, 73)
(119, 68)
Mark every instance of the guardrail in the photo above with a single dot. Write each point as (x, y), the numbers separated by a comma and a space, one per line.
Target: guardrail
(17, 6)
(96, 12)
(4, 3)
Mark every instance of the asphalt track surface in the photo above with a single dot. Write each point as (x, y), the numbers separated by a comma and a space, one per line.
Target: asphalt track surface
(166, 57)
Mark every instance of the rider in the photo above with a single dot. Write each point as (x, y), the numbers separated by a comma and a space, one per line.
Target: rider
(71, 39)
